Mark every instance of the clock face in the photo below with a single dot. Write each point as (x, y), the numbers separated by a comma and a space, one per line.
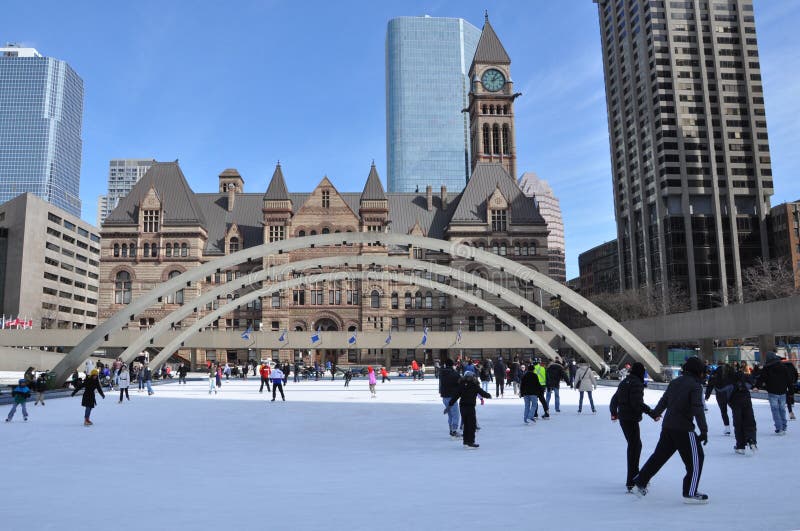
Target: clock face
(493, 80)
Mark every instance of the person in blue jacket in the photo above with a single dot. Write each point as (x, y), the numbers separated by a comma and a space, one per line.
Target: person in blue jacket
(21, 394)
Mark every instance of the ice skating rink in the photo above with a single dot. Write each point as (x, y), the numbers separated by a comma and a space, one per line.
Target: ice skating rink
(333, 458)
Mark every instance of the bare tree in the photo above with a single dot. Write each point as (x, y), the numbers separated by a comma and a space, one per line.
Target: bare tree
(768, 279)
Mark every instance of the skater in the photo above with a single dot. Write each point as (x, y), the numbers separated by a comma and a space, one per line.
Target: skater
(372, 381)
(124, 381)
(721, 382)
(277, 382)
(147, 377)
(448, 388)
(385, 375)
(683, 401)
(627, 406)
(227, 372)
(265, 370)
(212, 379)
(486, 375)
(585, 383)
(333, 372)
(297, 372)
(540, 373)
(774, 377)
(499, 376)
(183, 370)
(88, 401)
(792, 386)
(414, 370)
(140, 378)
(468, 390)
(529, 390)
(553, 375)
(40, 386)
(516, 375)
(348, 375)
(286, 369)
(744, 421)
(573, 368)
(21, 394)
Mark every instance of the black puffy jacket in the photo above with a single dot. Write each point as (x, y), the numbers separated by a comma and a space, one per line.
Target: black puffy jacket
(448, 382)
(529, 385)
(775, 376)
(468, 390)
(628, 402)
(683, 401)
(554, 374)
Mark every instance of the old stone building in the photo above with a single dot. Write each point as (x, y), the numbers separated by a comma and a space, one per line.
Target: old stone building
(163, 228)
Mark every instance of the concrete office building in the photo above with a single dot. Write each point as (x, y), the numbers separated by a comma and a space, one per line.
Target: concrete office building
(122, 175)
(41, 110)
(690, 155)
(599, 270)
(49, 265)
(550, 209)
(427, 134)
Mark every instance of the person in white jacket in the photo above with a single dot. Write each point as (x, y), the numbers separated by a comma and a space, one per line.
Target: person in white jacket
(124, 381)
(585, 382)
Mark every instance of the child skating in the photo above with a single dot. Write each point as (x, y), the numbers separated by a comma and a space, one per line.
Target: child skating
(372, 381)
(21, 394)
(468, 390)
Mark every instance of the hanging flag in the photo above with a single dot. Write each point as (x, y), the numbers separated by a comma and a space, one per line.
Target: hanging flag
(246, 334)
(315, 337)
(3, 322)
(352, 339)
(458, 334)
(282, 337)
(425, 336)
(389, 338)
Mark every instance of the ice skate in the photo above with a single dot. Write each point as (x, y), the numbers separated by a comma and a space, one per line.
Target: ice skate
(727, 431)
(640, 492)
(471, 446)
(751, 445)
(546, 415)
(87, 422)
(697, 499)
(740, 451)
(25, 419)
(791, 415)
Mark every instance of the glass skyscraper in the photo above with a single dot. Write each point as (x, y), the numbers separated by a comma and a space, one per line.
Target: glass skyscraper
(427, 134)
(122, 175)
(41, 108)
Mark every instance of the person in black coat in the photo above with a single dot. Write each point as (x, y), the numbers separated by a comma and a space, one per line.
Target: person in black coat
(530, 389)
(683, 402)
(88, 401)
(468, 391)
(183, 370)
(627, 406)
(499, 376)
(744, 421)
(775, 378)
(448, 388)
(721, 382)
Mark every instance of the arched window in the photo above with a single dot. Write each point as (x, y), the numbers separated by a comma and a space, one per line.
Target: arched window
(516, 249)
(495, 248)
(313, 233)
(503, 249)
(442, 301)
(395, 301)
(506, 140)
(154, 250)
(375, 299)
(301, 233)
(532, 249)
(146, 250)
(124, 250)
(168, 250)
(487, 142)
(418, 300)
(276, 299)
(483, 109)
(122, 288)
(133, 250)
(116, 250)
(429, 301)
(326, 230)
(495, 139)
(505, 109)
(177, 297)
(524, 249)
(184, 249)
(407, 300)
(233, 245)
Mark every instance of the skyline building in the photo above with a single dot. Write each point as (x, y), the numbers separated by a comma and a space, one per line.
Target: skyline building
(427, 134)
(550, 209)
(122, 175)
(691, 167)
(41, 111)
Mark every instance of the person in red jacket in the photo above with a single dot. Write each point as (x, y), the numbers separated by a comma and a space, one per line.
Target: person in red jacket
(265, 371)
(414, 369)
(384, 375)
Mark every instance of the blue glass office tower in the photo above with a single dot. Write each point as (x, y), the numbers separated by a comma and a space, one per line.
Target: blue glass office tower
(427, 135)
(41, 108)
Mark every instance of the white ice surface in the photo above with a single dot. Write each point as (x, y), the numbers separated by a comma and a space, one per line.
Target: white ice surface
(331, 458)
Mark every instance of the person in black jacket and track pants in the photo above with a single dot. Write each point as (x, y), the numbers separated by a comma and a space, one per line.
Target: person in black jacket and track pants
(468, 390)
(683, 401)
(627, 406)
(448, 388)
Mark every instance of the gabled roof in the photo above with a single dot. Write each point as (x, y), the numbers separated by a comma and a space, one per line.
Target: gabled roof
(277, 190)
(373, 189)
(167, 180)
(481, 185)
(490, 49)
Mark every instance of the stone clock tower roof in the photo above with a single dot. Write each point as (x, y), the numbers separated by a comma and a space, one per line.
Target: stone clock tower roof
(490, 49)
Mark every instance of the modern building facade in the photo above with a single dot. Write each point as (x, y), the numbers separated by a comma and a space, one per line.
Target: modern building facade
(690, 157)
(49, 265)
(162, 228)
(427, 134)
(550, 209)
(599, 270)
(41, 110)
(122, 175)
(785, 236)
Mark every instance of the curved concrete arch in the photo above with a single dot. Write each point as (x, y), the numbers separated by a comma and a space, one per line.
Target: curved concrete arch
(537, 341)
(141, 303)
(470, 279)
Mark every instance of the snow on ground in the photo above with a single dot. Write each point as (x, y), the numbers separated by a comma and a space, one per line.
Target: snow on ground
(332, 458)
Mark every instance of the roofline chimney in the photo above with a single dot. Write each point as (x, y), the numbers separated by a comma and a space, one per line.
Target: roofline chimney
(444, 197)
(429, 196)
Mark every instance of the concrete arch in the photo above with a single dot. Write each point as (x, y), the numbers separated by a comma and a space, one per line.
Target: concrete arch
(537, 341)
(622, 336)
(463, 277)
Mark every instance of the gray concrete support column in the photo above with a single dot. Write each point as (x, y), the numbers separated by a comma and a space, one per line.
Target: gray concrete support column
(766, 343)
(192, 359)
(387, 359)
(662, 352)
(707, 349)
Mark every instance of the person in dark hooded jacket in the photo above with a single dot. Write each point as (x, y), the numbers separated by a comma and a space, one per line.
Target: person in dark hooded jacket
(530, 388)
(89, 386)
(683, 402)
(721, 382)
(744, 421)
(627, 406)
(448, 388)
(466, 394)
(775, 379)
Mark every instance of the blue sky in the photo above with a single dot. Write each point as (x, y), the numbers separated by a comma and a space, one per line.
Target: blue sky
(246, 83)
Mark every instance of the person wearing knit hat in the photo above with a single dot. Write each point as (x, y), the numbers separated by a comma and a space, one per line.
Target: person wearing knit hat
(683, 402)
(627, 406)
(89, 386)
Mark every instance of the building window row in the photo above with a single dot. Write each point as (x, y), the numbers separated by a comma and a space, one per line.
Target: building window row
(493, 142)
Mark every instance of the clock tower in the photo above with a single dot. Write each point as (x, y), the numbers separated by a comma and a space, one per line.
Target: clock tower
(491, 104)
